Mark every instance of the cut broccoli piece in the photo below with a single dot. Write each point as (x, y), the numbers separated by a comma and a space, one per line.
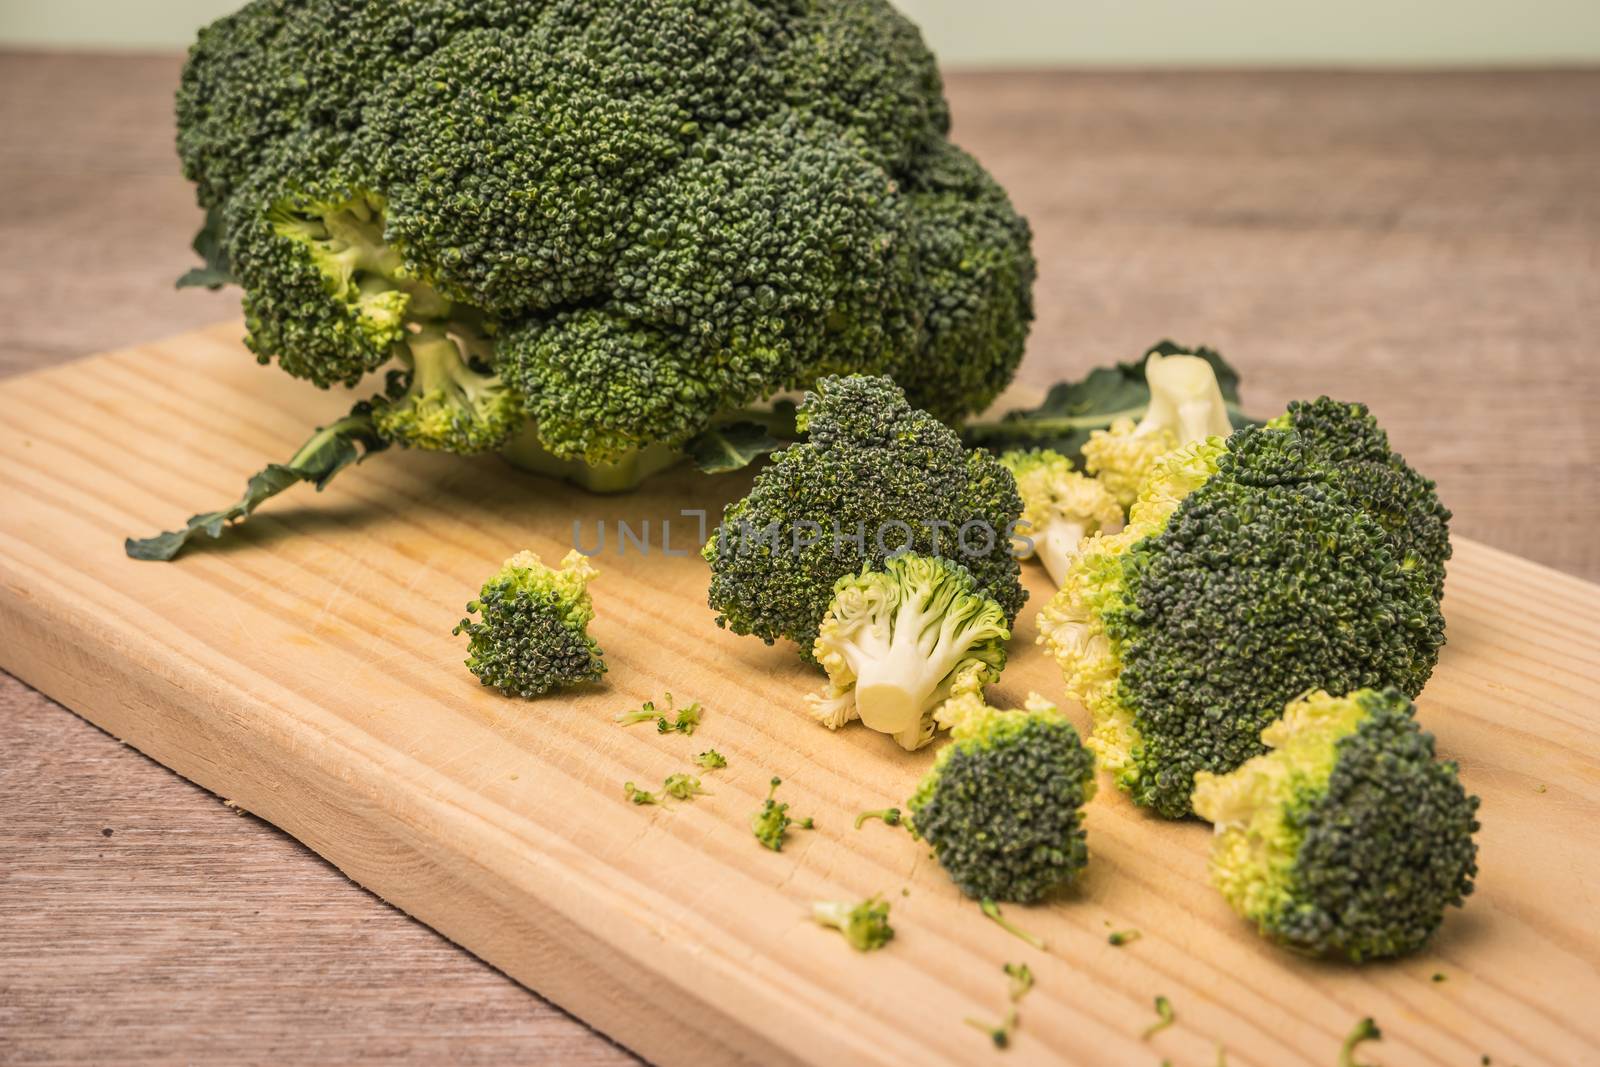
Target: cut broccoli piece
(991, 911)
(683, 787)
(639, 796)
(864, 925)
(1021, 976)
(1364, 1031)
(898, 643)
(1060, 506)
(532, 634)
(1348, 837)
(890, 816)
(711, 760)
(1247, 574)
(875, 478)
(1165, 1017)
(771, 823)
(1186, 407)
(1002, 806)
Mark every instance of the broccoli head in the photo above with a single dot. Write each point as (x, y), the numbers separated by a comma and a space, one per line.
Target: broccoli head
(875, 478)
(627, 217)
(1247, 573)
(899, 642)
(532, 631)
(1002, 806)
(1060, 506)
(1348, 837)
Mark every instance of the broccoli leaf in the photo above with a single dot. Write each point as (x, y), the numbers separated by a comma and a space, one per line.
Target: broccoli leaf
(1073, 410)
(208, 245)
(723, 449)
(330, 450)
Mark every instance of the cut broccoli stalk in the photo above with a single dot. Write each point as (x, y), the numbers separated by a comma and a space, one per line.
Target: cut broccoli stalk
(902, 641)
(524, 452)
(1060, 506)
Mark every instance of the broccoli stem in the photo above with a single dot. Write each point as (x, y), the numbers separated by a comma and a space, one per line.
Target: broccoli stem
(1058, 546)
(438, 367)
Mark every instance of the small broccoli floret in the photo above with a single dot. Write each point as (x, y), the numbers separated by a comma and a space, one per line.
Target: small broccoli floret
(638, 796)
(771, 823)
(1364, 1031)
(1165, 1017)
(1060, 506)
(890, 816)
(1186, 406)
(864, 925)
(445, 404)
(1118, 938)
(532, 632)
(1002, 806)
(1021, 976)
(1247, 574)
(1348, 837)
(711, 760)
(683, 787)
(991, 911)
(876, 478)
(898, 643)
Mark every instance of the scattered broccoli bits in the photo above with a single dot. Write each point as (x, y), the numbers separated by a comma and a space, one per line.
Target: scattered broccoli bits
(998, 1033)
(991, 911)
(1348, 837)
(1002, 806)
(1165, 1017)
(874, 479)
(1060, 507)
(890, 816)
(771, 823)
(864, 925)
(1251, 570)
(1118, 938)
(711, 760)
(637, 795)
(900, 642)
(683, 787)
(1021, 976)
(532, 631)
(1364, 1031)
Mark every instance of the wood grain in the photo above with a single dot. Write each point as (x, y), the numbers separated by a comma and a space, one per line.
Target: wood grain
(1431, 238)
(305, 671)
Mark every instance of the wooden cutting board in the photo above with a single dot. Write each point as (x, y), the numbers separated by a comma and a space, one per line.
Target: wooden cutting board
(304, 670)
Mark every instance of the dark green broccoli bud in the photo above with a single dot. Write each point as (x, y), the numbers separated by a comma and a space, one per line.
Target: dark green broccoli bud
(1247, 574)
(864, 925)
(1404, 502)
(1348, 837)
(771, 823)
(874, 478)
(900, 643)
(532, 634)
(1165, 1017)
(890, 816)
(1002, 806)
(1365, 1030)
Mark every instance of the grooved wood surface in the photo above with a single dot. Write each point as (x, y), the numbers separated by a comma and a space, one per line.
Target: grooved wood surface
(304, 670)
(1428, 243)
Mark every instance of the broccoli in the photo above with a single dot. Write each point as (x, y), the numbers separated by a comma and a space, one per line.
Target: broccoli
(890, 816)
(711, 760)
(1364, 1031)
(1001, 807)
(1348, 837)
(1060, 506)
(1118, 938)
(683, 787)
(771, 822)
(864, 925)
(683, 721)
(533, 632)
(999, 1033)
(876, 478)
(1021, 976)
(1248, 573)
(1165, 1017)
(585, 233)
(1186, 406)
(991, 911)
(898, 643)
(637, 795)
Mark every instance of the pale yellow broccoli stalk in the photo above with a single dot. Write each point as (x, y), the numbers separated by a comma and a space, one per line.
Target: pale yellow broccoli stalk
(1060, 506)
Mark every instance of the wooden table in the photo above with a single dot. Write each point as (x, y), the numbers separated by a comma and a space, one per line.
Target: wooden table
(1430, 244)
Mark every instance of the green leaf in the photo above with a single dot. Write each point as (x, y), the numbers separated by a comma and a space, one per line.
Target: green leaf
(209, 247)
(1073, 410)
(330, 450)
(731, 447)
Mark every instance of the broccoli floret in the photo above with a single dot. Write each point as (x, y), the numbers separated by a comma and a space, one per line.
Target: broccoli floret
(1348, 837)
(711, 760)
(1186, 407)
(874, 479)
(1002, 806)
(1165, 1017)
(900, 642)
(532, 634)
(998, 1033)
(1021, 976)
(1247, 574)
(1363, 1031)
(646, 213)
(683, 787)
(771, 822)
(890, 817)
(864, 925)
(1060, 506)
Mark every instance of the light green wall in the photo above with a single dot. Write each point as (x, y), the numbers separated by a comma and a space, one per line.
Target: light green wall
(1031, 32)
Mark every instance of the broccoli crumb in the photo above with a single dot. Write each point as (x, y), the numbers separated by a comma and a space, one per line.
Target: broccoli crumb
(644, 713)
(1439, 976)
(864, 925)
(771, 824)
(890, 816)
(1001, 1034)
(1118, 938)
(711, 760)
(1165, 1017)
(684, 722)
(683, 787)
(1365, 1030)
(1540, 788)
(639, 796)
(992, 910)
(1021, 976)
